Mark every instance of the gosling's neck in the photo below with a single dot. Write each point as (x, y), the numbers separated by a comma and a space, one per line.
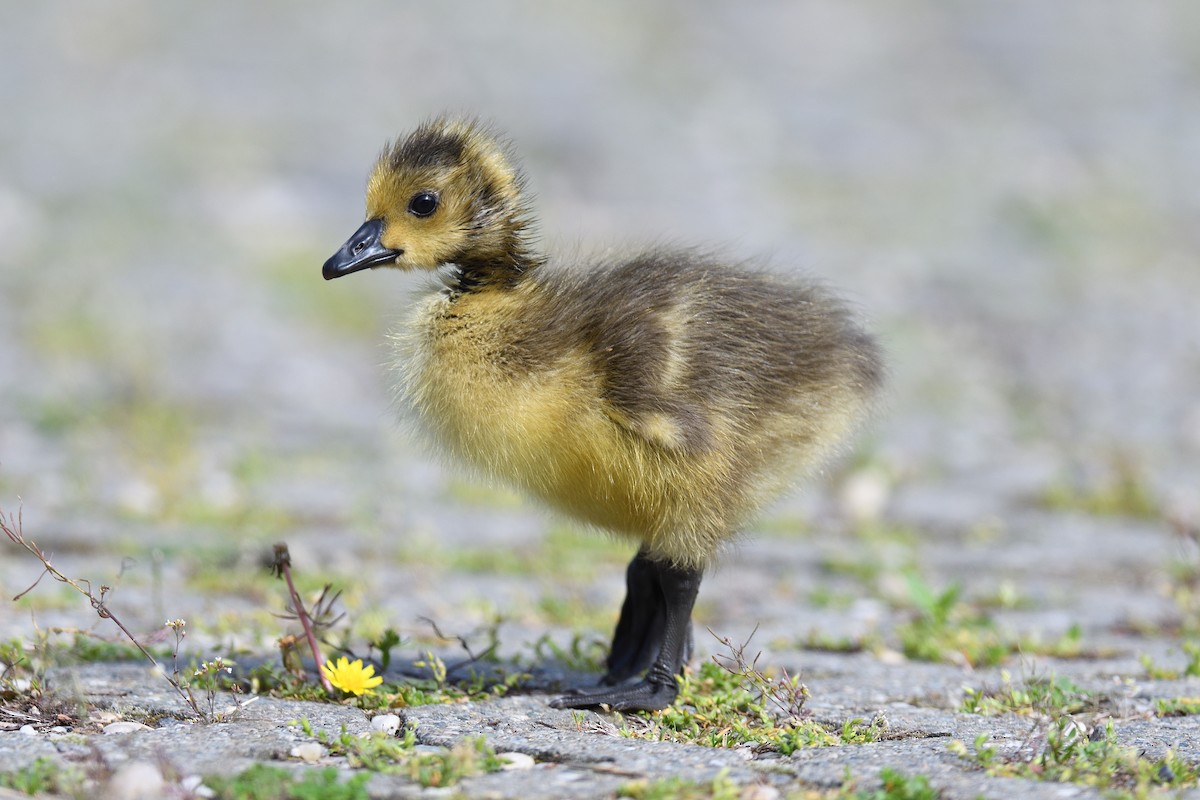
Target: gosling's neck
(499, 260)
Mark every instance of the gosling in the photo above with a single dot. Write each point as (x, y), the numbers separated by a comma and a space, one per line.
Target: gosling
(666, 397)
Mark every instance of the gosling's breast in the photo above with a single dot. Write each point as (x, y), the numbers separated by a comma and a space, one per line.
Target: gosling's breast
(472, 383)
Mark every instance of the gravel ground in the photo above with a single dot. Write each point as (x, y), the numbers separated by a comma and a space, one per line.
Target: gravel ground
(1007, 191)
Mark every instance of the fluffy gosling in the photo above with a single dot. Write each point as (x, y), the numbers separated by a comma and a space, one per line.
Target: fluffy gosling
(665, 397)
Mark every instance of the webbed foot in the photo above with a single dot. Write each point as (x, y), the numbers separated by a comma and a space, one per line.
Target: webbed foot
(641, 696)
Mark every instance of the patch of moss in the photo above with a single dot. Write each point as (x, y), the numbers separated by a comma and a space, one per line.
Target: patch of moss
(946, 629)
(677, 788)
(1070, 755)
(1126, 492)
(817, 640)
(1050, 697)
(720, 708)
(1191, 668)
(379, 752)
(46, 776)
(262, 782)
(949, 629)
(894, 785)
(1177, 706)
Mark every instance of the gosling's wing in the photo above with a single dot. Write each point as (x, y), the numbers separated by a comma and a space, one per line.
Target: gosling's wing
(688, 349)
(647, 373)
(633, 320)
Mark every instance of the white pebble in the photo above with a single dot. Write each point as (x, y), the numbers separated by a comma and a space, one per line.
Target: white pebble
(137, 780)
(386, 723)
(515, 760)
(29, 730)
(759, 791)
(865, 494)
(125, 727)
(194, 786)
(309, 751)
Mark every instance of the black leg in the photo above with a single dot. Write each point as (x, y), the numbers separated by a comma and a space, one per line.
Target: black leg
(678, 588)
(640, 628)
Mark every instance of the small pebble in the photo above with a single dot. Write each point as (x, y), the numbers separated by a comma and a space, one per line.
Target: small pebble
(194, 786)
(386, 723)
(137, 780)
(309, 751)
(515, 761)
(29, 730)
(125, 727)
(865, 494)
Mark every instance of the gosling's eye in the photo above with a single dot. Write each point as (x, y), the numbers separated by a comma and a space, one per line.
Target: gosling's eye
(423, 204)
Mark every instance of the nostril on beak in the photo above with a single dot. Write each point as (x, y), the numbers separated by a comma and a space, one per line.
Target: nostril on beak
(358, 248)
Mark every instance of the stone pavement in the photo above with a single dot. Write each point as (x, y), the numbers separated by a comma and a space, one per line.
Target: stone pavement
(582, 755)
(1007, 194)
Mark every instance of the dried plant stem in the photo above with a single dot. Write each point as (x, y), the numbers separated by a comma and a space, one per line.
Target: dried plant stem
(283, 567)
(12, 528)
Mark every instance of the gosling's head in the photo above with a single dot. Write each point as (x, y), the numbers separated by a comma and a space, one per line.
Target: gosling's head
(448, 193)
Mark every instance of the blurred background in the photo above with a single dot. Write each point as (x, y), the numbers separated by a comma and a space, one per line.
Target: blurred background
(1007, 191)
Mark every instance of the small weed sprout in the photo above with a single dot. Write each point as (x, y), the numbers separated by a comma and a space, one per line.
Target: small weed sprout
(436, 667)
(388, 640)
(487, 654)
(898, 786)
(209, 676)
(785, 692)
(585, 653)
(178, 628)
(947, 629)
(1185, 570)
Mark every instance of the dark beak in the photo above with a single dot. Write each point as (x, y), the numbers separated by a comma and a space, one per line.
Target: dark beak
(361, 251)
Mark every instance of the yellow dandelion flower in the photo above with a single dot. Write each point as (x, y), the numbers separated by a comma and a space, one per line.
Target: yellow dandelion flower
(353, 678)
